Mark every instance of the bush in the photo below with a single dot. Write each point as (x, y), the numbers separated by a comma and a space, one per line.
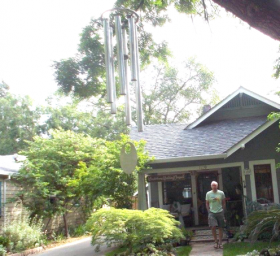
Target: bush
(24, 233)
(2, 250)
(259, 223)
(153, 231)
(78, 231)
(4, 241)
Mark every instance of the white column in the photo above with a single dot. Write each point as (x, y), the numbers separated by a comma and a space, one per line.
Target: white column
(149, 195)
(160, 199)
(142, 202)
(220, 179)
(194, 196)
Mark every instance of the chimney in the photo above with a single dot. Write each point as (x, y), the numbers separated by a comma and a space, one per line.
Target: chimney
(205, 109)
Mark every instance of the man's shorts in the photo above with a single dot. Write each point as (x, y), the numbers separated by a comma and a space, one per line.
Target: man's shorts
(216, 219)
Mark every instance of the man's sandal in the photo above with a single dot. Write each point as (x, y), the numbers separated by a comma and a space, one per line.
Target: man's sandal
(216, 245)
(221, 246)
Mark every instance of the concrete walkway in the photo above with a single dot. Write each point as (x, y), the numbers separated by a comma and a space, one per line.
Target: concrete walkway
(81, 247)
(205, 249)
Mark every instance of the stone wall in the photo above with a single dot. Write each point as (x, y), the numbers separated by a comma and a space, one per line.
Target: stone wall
(13, 210)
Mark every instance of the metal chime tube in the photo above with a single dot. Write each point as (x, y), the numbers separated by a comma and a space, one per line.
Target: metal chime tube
(127, 96)
(139, 109)
(108, 57)
(133, 51)
(114, 101)
(120, 54)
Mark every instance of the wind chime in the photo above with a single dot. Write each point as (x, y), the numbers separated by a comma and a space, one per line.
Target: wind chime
(122, 58)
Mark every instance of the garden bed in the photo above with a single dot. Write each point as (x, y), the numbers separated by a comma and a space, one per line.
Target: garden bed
(241, 248)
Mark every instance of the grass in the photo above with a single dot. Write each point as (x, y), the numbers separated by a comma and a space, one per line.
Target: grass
(115, 252)
(183, 250)
(180, 251)
(234, 249)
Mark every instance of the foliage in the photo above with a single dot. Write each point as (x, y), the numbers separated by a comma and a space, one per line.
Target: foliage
(90, 118)
(146, 232)
(240, 236)
(84, 75)
(174, 95)
(5, 241)
(183, 250)
(277, 67)
(233, 249)
(3, 251)
(24, 233)
(262, 221)
(78, 231)
(188, 234)
(19, 121)
(69, 168)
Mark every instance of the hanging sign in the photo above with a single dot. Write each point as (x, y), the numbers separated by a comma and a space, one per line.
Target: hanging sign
(128, 160)
(168, 177)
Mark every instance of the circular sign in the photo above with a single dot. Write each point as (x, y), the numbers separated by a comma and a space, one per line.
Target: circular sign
(128, 159)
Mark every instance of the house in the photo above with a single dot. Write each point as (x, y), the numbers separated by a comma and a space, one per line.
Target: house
(12, 209)
(233, 143)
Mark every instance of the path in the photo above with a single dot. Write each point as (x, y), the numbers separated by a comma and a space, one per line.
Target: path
(81, 247)
(205, 249)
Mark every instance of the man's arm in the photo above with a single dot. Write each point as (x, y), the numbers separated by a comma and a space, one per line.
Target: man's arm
(224, 204)
(207, 206)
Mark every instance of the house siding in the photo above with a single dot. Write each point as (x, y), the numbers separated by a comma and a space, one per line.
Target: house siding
(262, 147)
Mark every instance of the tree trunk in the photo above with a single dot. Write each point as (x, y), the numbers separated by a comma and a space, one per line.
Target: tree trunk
(66, 226)
(263, 15)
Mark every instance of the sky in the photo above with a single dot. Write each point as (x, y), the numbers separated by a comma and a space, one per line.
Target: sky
(35, 33)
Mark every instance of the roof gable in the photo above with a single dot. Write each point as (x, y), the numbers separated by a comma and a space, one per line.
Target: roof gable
(249, 99)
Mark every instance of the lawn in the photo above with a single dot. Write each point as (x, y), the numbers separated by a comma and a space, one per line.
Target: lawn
(234, 249)
(183, 250)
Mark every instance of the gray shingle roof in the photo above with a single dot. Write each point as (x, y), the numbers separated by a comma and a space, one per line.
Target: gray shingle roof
(8, 165)
(171, 140)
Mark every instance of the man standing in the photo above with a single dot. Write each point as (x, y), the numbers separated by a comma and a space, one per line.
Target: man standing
(216, 205)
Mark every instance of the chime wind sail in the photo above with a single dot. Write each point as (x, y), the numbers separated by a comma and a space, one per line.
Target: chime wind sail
(122, 60)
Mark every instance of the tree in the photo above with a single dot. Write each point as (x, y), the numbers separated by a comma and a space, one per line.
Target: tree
(19, 121)
(261, 15)
(84, 74)
(90, 118)
(173, 95)
(68, 168)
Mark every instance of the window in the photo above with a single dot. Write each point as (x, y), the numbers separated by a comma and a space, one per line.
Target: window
(177, 191)
(263, 180)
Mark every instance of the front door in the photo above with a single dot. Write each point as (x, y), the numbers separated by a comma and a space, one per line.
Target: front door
(204, 180)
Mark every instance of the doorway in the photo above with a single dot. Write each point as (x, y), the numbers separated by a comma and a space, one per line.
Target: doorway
(204, 180)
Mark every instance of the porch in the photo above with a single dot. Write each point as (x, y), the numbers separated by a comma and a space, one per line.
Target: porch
(189, 188)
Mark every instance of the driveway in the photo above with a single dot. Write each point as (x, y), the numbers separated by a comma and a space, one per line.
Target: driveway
(81, 247)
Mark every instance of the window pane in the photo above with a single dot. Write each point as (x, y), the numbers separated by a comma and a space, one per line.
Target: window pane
(263, 181)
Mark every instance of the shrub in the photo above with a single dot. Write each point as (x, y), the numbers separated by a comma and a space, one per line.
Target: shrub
(153, 231)
(24, 233)
(261, 222)
(4, 241)
(2, 250)
(78, 231)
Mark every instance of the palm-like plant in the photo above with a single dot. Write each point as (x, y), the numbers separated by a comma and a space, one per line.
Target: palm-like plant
(262, 221)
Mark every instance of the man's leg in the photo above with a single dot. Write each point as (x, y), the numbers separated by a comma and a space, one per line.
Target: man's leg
(220, 235)
(214, 234)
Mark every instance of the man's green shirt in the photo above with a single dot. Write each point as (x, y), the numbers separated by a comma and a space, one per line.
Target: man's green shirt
(215, 200)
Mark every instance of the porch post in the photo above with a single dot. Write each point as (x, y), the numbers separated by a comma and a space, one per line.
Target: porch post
(142, 201)
(194, 196)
